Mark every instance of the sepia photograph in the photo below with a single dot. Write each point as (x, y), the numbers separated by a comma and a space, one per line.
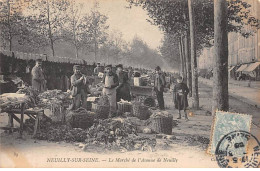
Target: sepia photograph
(129, 83)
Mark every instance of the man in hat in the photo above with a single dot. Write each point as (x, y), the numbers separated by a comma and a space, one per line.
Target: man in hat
(180, 93)
(159, 84)
(110, 81)
(79, 88)
(98, 69)
(38, 81)
(123, 90)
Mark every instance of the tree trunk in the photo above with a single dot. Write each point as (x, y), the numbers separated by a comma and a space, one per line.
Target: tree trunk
(220, 68)
(9, 25)
(49, 27)
(188, 63)
(77, 52)
(195, 95)
(183, 60)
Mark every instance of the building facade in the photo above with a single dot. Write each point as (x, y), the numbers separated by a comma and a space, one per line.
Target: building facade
(243, 53)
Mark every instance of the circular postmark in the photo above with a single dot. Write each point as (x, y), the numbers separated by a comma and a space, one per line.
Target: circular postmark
(238, 149)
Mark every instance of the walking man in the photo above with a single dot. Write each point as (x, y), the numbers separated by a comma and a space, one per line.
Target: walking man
(159, 84)
(38, 81)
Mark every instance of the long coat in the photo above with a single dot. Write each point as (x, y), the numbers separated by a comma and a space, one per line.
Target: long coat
(180, 93)
(123, 90)
(159, 82)
(38, 81)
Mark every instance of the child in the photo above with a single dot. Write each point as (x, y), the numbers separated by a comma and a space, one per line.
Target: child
(180, 92)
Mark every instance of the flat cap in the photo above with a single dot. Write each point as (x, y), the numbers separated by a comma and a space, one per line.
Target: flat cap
(119, 66)
(76, 67)
(108, 66)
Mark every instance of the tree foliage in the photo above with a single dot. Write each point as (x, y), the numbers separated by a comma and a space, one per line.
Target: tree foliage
(172, 17)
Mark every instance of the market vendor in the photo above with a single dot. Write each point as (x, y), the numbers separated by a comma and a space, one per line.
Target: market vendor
(79, 88)
(110, 81)
(123, 90)
(38, 81)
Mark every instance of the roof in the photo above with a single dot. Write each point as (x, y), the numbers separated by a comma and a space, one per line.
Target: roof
(44, 57)
(241, 68)
(252, 67)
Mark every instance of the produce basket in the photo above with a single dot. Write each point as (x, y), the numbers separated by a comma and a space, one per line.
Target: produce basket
(140, 111)
(102, 112)
(82, 120)
(124, 107)
(161, 123)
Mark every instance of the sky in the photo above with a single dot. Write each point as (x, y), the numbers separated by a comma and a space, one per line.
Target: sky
(131, 22)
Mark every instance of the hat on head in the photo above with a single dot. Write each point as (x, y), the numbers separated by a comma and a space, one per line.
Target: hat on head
(158, 68)
(119, 66)
(108, 66)
(38, 60)
(179, 78)
(76, 67)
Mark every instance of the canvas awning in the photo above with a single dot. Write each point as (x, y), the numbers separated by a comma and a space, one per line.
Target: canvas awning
(252, 67)
(241, 68)
(230, 69)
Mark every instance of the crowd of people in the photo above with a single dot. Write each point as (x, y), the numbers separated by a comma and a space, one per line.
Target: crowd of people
(116, 86)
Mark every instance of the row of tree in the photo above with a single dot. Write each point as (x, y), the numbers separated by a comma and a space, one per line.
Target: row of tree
(66, 28)
(189, 27)
(37, 24)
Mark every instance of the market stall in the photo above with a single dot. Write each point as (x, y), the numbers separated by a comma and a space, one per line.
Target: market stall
(21, 103)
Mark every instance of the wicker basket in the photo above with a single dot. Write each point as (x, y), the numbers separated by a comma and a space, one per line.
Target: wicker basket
(81, 120)
(140, 111)
(124, 107)
(89, 106)
(102, 112)
(162, 125)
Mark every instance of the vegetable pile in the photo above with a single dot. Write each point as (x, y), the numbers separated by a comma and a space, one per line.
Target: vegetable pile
(111, 134)
(53, 99)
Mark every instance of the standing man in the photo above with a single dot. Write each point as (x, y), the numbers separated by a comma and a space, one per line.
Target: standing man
(98, 69)
(79, 88)
(110, 81)
(159, 84)
(38, 81)
(123, 90)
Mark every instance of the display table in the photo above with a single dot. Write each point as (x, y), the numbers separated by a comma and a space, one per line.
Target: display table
(34, 114)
